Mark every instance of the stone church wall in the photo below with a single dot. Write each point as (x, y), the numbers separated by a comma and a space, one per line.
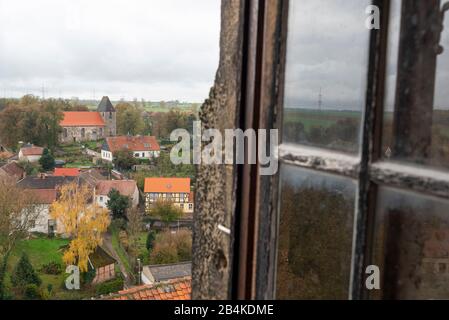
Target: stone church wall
(76, 134)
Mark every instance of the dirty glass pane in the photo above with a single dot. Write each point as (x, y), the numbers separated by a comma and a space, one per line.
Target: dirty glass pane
(416, 120)
(315, 235)
(327, 51)
(411, 246)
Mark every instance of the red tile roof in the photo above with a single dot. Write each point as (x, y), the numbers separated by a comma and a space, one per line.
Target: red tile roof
(125, 187)
(66, 172)
(13, 169)
(167, 185)
(43, 196)
(137, 143)
(6, 155)
(179, 289)
(82, 119)
(32, 151)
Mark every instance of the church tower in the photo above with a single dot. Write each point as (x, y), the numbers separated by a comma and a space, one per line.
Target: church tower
(109, 116)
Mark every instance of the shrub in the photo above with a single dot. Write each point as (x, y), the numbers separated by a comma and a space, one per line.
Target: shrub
(52, 268)
(151, 236)
(110, 286)
(24, 273)
(123, 238)
(118, 204)
(166, 211)
(164, 254)
(119, 224)
(172, 248)
(88, 276)
(47, 161)
(184, 245)
(32, 292)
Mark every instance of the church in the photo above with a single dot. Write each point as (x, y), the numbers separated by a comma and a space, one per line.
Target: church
(89, 125)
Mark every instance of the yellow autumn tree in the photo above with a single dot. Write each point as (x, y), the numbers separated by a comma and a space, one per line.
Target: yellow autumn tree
(83, 221)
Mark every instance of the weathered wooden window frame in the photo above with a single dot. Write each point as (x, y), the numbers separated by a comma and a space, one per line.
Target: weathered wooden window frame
(258, 212)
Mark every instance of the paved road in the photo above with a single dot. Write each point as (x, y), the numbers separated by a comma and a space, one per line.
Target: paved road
(107, 243)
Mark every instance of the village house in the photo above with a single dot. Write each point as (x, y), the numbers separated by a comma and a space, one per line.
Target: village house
(103, 264)
(12, 171)
(43, 200)
(175, 190)
(142, 147)
(44, 189)
(124, 187)
(89, 125)
(163, 272)
(30, 153)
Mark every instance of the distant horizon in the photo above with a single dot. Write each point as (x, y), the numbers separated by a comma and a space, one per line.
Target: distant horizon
(98, 99)
(353, 109)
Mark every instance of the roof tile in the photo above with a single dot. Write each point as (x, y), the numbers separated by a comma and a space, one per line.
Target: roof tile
(167, 185)
(137, 143)
(124, 187)
(32, 151)
(82, 119)
(161, 291)
(66, 172)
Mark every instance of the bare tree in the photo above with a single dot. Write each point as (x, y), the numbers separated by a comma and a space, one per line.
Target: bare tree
(18, 212)
(134, 227)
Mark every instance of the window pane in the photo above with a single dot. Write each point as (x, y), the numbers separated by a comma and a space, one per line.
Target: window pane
(327, 50)
(411, 246)
(315, 235)
(416, 126)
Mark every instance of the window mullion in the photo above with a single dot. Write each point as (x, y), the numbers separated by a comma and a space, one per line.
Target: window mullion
(370, 146)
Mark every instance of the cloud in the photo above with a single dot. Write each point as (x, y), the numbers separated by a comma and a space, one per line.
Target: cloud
(152, 49)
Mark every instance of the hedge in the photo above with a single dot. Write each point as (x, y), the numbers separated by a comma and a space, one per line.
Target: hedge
(110, 286)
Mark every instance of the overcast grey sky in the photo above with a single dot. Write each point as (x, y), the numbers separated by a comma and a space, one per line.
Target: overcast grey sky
(151, 49)
(328, 49)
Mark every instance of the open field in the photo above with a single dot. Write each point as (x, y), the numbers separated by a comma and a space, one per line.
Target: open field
(321, 118)
(154, 106)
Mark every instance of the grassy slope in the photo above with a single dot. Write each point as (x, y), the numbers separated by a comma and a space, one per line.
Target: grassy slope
(74, 157)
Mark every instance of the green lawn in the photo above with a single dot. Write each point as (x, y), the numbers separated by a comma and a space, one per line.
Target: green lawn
(42, 250)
